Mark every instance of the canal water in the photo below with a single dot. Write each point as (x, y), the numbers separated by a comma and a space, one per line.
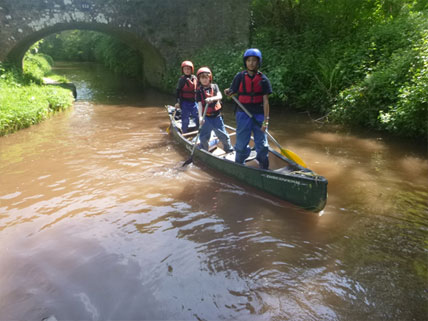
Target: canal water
(99, 221)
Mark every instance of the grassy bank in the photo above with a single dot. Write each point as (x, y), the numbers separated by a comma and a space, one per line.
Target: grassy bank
(24, 100)
(356, 62)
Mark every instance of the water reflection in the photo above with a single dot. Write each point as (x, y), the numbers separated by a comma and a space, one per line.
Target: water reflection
(98, 220)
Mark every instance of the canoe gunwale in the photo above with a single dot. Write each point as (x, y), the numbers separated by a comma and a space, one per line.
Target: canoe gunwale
(296, 187)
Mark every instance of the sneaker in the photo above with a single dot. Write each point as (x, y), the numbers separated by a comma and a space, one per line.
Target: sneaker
(253, 155)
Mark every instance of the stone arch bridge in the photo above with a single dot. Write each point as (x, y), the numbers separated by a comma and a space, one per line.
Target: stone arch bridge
(164, 31)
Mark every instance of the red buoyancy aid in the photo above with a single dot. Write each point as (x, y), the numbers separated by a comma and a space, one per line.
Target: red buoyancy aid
(250, 89)
(189, 88)
(213, 107)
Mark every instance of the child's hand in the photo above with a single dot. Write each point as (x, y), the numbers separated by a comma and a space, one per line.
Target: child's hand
(177, 106)
(228, 92)
(209, 100)
(265, 125)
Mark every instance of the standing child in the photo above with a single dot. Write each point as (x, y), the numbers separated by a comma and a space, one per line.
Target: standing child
(208, 93)
(186, 90)
(253, 89)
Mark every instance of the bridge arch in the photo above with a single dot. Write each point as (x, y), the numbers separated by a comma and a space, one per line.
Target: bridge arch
(154, 64)
(163, 31)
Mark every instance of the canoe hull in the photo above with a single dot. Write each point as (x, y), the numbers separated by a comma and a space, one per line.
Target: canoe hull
(306, 191)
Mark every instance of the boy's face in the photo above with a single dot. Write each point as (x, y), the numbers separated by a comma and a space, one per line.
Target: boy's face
(187, 70)
(252, 63)
(204, 79)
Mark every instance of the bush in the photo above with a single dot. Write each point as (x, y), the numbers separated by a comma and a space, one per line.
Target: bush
(78, 45)
(392, 95)
(23, 100)
(118, 57)
(409, 115)
(359, 61)
(223, 62)
(36, 66)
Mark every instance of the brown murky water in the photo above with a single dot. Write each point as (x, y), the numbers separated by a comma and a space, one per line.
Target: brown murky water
(99, 221)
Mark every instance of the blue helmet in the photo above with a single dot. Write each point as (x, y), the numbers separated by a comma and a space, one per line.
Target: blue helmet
(253, 52)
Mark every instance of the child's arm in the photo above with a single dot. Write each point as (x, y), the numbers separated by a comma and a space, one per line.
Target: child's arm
(216, 97)
(180, 85)
(234, 87)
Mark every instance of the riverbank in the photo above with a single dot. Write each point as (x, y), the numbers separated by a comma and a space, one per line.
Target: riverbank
(25, 100)
(100, 191)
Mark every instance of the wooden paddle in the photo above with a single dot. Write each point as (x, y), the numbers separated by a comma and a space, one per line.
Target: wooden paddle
(286, 152)
(187, 162)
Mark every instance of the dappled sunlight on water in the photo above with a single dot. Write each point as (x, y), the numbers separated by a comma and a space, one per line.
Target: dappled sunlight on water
(99, 220)
(414, 168)
(364, 174)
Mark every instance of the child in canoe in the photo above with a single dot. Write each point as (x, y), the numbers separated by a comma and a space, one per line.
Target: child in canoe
(186, 90)
(209, 96)
(253, 89)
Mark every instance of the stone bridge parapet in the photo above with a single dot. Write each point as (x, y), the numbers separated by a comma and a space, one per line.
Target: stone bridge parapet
(164, 31)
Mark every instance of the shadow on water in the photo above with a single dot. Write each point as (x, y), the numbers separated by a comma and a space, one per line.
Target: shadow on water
(96, 84)
(99, 220)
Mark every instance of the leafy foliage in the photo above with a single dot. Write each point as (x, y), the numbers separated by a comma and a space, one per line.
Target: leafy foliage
(118, 57)
(409, 115)
(360, 62)
(36, 66)
(223, 62)
(23, 100)
(78, 45)
(392, 92)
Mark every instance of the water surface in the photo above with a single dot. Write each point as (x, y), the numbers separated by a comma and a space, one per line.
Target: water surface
(99, 221)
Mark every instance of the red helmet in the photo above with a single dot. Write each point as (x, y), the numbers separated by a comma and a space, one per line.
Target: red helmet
(203, 70)
(187, 63)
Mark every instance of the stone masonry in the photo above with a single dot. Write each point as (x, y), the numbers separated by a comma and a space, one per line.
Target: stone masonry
(164, 31)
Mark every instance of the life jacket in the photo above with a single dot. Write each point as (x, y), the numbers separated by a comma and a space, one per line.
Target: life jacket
(213, 107)
(250, 90)
(189, 89)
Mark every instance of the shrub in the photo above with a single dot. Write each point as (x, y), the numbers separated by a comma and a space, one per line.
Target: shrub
(393, 94)
(82, 45)
(223, 62)
(23, 100)
(359, 61)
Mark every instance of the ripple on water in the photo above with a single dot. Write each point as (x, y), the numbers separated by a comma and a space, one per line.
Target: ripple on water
(10, 196)
(96, 201)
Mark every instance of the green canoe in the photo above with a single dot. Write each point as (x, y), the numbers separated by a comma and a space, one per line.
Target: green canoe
(284, 178)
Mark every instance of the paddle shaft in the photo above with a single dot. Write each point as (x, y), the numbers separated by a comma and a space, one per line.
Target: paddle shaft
(255, 120)
(197, 137)
(287, 153)
(252, 117)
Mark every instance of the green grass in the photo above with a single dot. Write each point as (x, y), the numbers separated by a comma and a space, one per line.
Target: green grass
(24, 100)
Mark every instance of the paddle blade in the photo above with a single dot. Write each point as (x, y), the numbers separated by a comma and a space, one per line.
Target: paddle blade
(293, 156)
(167, 130)
(187, 162)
